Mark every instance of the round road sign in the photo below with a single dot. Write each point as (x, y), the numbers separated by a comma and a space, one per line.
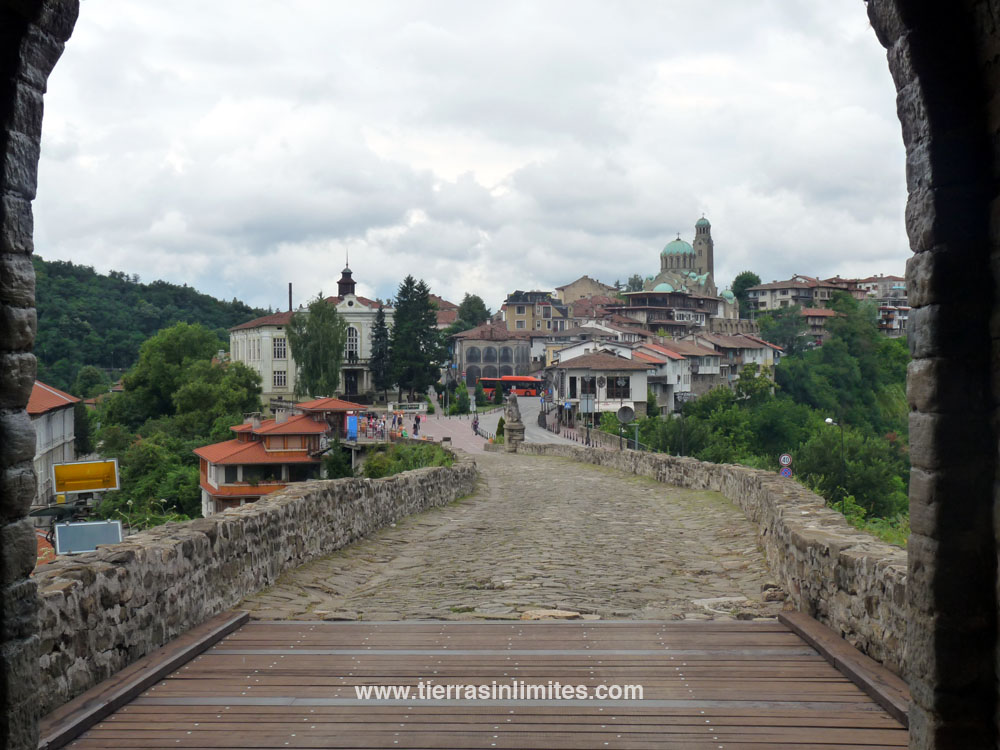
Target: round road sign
(785, 459)
(786, 472)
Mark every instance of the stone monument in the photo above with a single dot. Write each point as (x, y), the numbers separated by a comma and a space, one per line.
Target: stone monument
(513, 426)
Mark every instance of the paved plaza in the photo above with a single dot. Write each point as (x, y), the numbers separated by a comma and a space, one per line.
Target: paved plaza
(542, 533)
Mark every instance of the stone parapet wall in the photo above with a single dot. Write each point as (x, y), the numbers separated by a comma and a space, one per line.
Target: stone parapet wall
(102, 610)
(845, 578)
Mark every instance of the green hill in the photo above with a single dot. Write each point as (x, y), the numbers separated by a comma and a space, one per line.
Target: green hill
(87, 318)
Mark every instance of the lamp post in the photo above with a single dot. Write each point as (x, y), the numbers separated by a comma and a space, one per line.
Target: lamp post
(843, 467)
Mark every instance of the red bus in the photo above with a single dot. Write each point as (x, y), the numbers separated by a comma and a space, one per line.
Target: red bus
(520, 385)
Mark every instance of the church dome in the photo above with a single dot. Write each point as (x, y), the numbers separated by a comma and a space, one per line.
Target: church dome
(663, 287)
(702, 222)
(728, 296)
(677, 247)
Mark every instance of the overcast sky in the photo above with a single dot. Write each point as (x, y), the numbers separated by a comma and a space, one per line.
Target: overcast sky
(481, 146)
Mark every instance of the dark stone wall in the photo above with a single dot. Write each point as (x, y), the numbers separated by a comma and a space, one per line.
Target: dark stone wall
(943, 60)
(943, 57)
(32, 35)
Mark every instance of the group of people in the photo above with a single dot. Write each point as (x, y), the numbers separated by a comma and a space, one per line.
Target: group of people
(379, 426)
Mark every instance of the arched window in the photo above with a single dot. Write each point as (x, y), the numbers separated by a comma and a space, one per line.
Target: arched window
(489, 371)
(352, 351)
(490, 354)
(506, 370)
(472, 375)
(506, 354)
(472, 354)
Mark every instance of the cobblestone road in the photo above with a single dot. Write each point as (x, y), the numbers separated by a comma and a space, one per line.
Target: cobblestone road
(541, 533)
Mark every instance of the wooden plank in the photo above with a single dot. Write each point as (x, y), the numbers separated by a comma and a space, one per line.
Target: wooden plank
(884, 687)
(70, 720)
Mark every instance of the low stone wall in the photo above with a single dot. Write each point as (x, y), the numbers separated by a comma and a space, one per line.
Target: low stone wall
(103, 610)
(845, 578)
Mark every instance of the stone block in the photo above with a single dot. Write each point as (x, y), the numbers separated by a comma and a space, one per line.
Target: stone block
(16, 225)
(18, 326)
(935, 385)
(17, 438)
(17, 376)
(957, 331)
(17, 280)
(17, 490)
(940, 440)
(19, 164)
(18, 551)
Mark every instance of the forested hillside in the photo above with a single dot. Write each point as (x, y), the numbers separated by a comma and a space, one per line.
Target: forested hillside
(86, 318)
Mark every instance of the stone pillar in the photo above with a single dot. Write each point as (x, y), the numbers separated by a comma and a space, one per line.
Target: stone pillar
(938, 67)
(513, 435)
(32, 34)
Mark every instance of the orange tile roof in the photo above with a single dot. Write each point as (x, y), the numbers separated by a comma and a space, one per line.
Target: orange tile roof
(365, 302)
(241, 427)
(662, 350)
(647, 357)
(232, 452)
(817, 312)
(46, 398)
(276, 319)
(330, 404)
(242, 490)
(300, 424)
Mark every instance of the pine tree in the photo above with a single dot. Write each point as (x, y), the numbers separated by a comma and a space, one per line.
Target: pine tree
(381, 359)
(417, 349)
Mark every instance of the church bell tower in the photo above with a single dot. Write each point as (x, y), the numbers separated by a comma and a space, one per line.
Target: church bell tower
(704, 248)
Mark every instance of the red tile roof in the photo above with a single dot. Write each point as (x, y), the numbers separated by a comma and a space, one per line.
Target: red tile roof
(689, 349)
(662, 350)
(817, 312)
(600, 361)
(365, 302)
(330, 404)
(442, 303)
(276, 319)
(300, 424)
(46, 398)
(493, 331)
(233, 452)
(647, 357)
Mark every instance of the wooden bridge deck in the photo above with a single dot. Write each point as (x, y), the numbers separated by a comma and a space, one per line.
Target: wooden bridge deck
(713, 685)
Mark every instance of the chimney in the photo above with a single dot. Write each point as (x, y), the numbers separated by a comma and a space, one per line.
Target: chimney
(280, 416)
(289, 296)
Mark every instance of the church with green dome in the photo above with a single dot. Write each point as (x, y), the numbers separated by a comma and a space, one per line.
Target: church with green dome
(687, 267)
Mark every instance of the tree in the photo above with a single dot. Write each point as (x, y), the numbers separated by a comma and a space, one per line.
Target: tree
(317, 337)
(380, 363)
(90, 381)
(497, 394)
(634, 283)
(741, 283)
(152, 383)
(81, 429)
(462, 394)
(417, 348)
(480, 394)
(473, 310)
(785, 327)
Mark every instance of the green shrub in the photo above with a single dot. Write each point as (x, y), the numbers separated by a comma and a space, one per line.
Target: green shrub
(337, 463)
(462, 399)
(500, 425)
(430, 405)
(400, 458)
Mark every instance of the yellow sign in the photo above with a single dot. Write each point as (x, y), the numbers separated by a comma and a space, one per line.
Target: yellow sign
(86, 476)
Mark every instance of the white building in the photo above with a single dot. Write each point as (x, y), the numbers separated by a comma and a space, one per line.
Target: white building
(262, 345)
(51, 413)
(607, 380)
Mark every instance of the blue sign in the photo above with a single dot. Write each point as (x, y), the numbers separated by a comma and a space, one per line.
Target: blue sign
(786, 472)
(352, 428)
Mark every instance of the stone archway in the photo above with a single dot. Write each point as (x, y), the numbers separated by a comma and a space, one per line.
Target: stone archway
(942, 57)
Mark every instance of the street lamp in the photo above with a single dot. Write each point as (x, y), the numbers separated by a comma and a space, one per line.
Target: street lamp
(843, 467)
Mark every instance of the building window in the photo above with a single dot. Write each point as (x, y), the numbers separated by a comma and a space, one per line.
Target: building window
(520, 324)
(280, 348)
(519, 310)
(353, 349)
(231, 474)
(278, 379)
(618, 387)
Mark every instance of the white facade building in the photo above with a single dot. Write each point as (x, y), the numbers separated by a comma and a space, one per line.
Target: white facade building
(262, 345)
(51, 413)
